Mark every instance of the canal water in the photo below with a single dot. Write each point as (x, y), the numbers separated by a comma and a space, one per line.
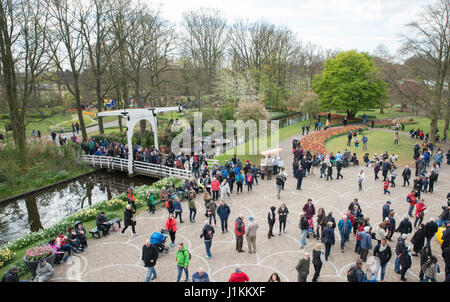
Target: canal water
(44, 208)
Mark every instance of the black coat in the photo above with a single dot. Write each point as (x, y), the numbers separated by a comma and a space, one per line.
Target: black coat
(328, 235)
(271, 215)
(405, 259)
(10, 277)
(303, 224)
(400, 246)
(148, 254)
(128, 217)
(430, 229)
(418, 240)
(446, 238)
(384, 256)
(405, 227)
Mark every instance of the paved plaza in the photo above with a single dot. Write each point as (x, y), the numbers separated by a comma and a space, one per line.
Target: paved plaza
(118, 258)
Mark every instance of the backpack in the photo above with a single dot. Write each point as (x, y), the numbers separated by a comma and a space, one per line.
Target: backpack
(249, 177)
(408, 199)
(279, 181)
(166, 204)
(351, 274)
(239, 180)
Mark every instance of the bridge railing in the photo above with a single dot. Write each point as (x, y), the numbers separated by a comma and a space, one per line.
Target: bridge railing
(139, 167)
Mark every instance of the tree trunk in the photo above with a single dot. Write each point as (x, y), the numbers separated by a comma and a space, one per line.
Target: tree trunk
(79, 110)
(447, 115)
(99, 105)
(433, 127)
(350, 115)
(34, 218)
(381, 110)
(142, 125)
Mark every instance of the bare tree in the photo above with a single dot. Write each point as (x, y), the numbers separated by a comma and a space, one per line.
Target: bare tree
(431, 42)
(23, 58)
(205, 43)
(68, 47)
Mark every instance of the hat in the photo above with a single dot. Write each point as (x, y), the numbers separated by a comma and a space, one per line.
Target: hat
(404, 236)
(251, 218)
(388, 202)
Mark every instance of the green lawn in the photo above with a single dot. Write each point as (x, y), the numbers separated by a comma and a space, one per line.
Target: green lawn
(388, 113)
(424, 124)
(379, 142)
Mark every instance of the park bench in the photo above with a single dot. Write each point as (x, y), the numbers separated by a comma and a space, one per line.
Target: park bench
(96, 232)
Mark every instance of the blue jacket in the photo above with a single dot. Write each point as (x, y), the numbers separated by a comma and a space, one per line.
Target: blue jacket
(341, 226)
(328, 235)
(366, 240)
(197, 278)
(223, 212)
(177, 206)
(386, 211)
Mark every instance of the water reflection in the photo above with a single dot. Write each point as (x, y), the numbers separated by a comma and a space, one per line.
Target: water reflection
(40, 210)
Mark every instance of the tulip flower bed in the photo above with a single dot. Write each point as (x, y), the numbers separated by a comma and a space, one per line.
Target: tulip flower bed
(38, 252)
(315, 142)
(389, 122)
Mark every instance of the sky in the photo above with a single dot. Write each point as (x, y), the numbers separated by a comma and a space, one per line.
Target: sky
(331, 24)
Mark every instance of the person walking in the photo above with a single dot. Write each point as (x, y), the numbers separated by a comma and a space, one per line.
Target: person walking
(252, 228)
(279, 184)
(271, 218)
(299, 174)
(182, 259)
(192, 209)
(405, 226)
(215, 187)
(207, 234)
(224, 190)
(171, 226)
(320, 222)
(405, 262)
(303, 225)
(223, 211)
(178, 209)
(303, 268)
(366, 243)
(282, 217)
(328, 238)
(238, 276)
(200, 276)
(360, 180)
(239, 231)
(345, 227)
(129, 220)
(318, 259)
(355, 273)
(382, 253)
(393, 176)
(386, 187)
(420, 212)
(211, 210)
(149, 256)
(412, 199)
(406, 175)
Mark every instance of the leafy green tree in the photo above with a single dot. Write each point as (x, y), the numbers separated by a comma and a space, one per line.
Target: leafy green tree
(350, 82)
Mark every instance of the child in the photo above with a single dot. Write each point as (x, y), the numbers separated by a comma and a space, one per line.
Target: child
(386, 187)
(151, 203)
(310, 228)
(356, 144)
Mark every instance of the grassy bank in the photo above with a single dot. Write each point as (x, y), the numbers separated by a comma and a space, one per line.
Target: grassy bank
(46, 164)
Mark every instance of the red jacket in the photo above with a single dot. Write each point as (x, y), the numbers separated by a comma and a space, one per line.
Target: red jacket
(360, 229)
(386, 184)
(419, 209)
(236, 232)
(238, 277)
(412, 199)
(171, 225)
(215, 185)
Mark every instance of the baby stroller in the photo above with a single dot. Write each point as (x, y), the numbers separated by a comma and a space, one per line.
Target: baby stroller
(159, 240)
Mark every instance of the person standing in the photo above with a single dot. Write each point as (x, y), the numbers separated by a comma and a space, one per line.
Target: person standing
(303, 268)
(215, 186)
(200, 276)
(309, 210)
(405, 226)
(401, 245)
(207, 234)
(252, 228)
(386, 209)
(393, 176)
(406, 175)
(224, 190)
(412, 199)
(149, 256)
(338, 169)
(171, 226)
(178, 209)
(318, 260)
(328, 238)
(330, 171)
(320, 222)
(366, 243)
(282, 217)
(396, 138)
(382, 253)
(345, 227)
(430, 230)
(271, 218)
(238, 276)
(129, 219)
(418, 239)
(239, 231)
(223, 211)
(239, 182)
(182, 259)
(299, 175)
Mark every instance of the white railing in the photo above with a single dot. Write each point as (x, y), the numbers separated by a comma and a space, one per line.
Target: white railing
(139, 167)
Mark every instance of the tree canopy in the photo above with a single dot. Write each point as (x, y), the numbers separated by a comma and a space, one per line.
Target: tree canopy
(350, 82)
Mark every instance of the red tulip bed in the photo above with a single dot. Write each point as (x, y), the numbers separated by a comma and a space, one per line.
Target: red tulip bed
(389, 122)
(315, 142)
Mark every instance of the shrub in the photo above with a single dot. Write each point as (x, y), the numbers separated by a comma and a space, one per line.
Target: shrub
(6, 255)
